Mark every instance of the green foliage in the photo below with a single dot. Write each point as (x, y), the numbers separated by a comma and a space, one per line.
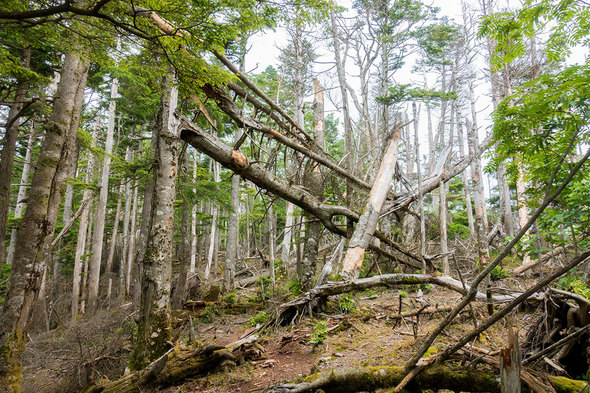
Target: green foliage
(208, 314)
(403, 294)
(259, 318)
(230, 298)
(266, 284)
(403, 92)
(347, 303)
(295, 286)
(574, 282)
(319, 334)
(498, 273)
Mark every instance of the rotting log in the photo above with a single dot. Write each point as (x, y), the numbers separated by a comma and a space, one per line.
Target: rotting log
(238, 163)
(544, 258)
(448, 376)
(176, 365)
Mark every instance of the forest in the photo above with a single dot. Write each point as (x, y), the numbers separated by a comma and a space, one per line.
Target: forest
(397, 201)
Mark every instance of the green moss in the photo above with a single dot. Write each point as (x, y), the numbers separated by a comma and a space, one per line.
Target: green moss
(566, 385)
(10, 354)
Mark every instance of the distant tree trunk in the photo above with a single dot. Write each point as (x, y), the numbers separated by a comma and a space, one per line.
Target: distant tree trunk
(179, 295)
(465, 180)
(416, 115)
(109, 267)
(101, 207)
(132, 240)
(154, 329)
(38, 223)
(213, 233)
(313, 181)
(194, 251)
(367, 224)
(8, 150)
(341, 72)
(85, 263)
(83, 230)
(126, 233)
(478, 189)
(22, 192)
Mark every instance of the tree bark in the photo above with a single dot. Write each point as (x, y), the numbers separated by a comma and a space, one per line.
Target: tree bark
(38, 224)
(126, 233)
(313, 181)
(363, 233)
(179, 294)
(9, 148)
(83, 230)
(22, 192)
(101, 207)
(154, 329)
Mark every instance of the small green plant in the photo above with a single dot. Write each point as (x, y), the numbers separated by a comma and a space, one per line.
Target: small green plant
(347, 304)
(259, 318)
(426, 287)
(319, 335)
(230, 298)
(574, 282)
(208, 314)
(498, 273)
(403, 294)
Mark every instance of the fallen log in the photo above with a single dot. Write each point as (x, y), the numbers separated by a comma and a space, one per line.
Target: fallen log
(176, 365)
(544, 258)
(299, 304)
(448, 376)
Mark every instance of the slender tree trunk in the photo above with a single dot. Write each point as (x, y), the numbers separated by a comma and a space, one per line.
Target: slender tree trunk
(465, 180)
(8, 150)
(179, 295)
(22, 192)
(420, 196)
(194, 251)
(213, 233)
(132, 240)
(83, 230)
(126, 220)
(101, 207)
(313, 181)
(109, 267)
(340, 70)
(38, 224)
(154, 326)
(86, 261)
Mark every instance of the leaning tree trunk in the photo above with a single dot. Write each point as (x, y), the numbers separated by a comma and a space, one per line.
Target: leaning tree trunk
(101, 207)
(38, 224)
(367, 224)
(154, 329)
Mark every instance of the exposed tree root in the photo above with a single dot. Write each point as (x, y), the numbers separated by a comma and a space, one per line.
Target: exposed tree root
(453, 377)
(174, 367)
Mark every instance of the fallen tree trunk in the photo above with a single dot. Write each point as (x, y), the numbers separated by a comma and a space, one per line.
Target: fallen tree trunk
(544, 258)
(176, 365)
(238, 163)
(287, 311)
(364, 230)
(452, 377)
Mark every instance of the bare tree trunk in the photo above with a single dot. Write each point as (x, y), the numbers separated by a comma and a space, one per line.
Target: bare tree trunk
(9, 148)
(85, 262)
(109, 267)
(341, 71)
(363, 233)
(420, 196)
(22, 192)
(132, 240)
(213, 233)
(83, 230)
(126, 220)
(194, 252)
(101, 207)
(313, 181)
(465, 180)
(179, 294)
(154, 329)
(38, 223)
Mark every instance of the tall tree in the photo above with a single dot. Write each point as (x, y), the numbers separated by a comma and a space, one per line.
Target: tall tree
(154, 329)
(38, 224)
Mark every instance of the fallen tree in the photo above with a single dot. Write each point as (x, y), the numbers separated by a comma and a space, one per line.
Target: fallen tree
(256, 173)
(447, 376)
(175, 366)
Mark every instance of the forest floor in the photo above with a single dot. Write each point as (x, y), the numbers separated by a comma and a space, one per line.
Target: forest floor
(361, 329)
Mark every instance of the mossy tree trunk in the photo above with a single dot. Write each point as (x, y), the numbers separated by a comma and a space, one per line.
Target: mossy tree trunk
(154, 330)
(38, 223)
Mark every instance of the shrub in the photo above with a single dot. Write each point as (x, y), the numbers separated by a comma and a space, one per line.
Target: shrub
(259, 318)
(346, 304)
(320, 333)
(498, 273)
